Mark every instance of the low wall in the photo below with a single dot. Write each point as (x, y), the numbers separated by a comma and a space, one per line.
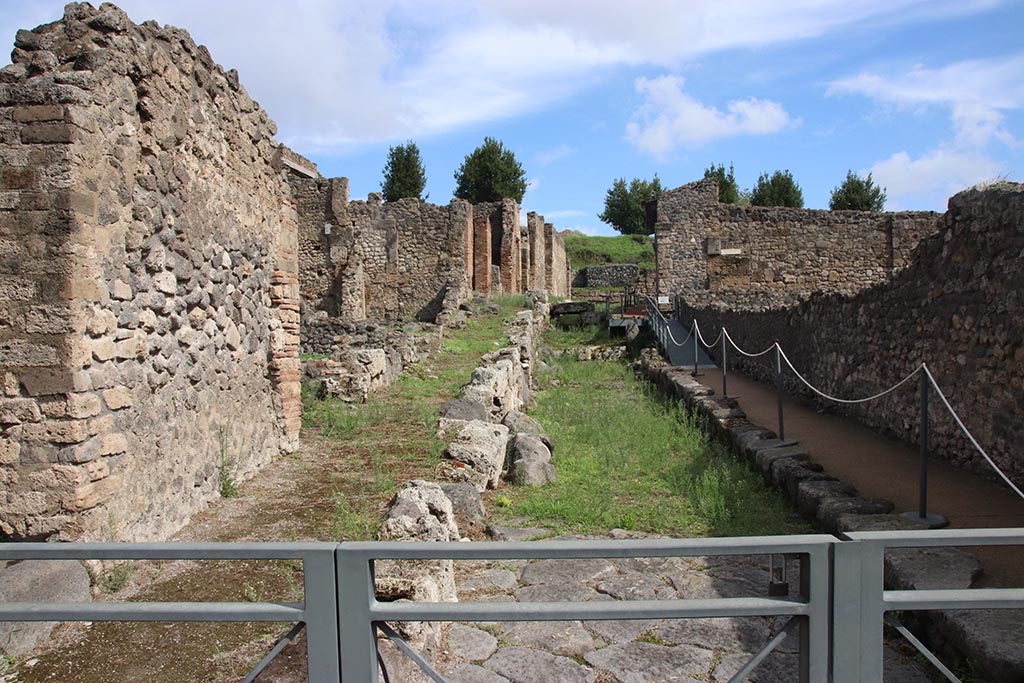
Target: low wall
(756, 257)
(956, 307)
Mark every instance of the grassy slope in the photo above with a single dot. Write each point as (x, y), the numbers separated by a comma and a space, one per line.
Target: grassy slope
(585, 250)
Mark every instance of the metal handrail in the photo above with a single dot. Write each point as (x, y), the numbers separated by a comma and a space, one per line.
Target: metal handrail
(839, 607)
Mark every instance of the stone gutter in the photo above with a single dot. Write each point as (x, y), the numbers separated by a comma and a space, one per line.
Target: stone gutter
(990, 639)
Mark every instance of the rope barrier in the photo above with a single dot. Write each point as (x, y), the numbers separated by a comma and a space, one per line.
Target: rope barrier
(967, 432)
(664, 321)
(748, 355)
(848, 400)
(922, 367)
(701, 336)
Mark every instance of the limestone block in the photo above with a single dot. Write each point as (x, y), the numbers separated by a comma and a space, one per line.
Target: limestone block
(104, 349)
(57, 431)
(481, 447)
(10, 452)
(83, 405)
(90, 495)
(19, 410)
(112, 444)
(467, 504)
(117, 397)
(38, 581)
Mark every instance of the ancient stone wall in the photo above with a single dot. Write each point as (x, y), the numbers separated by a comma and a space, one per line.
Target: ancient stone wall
(556, 263)
(750, 257)
(149, 311)
(956, 307)
(611, 276)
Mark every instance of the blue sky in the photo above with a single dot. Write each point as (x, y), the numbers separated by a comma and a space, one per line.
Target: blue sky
(927, 95)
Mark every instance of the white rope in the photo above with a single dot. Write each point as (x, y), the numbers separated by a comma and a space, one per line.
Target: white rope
(701, 336)
(847, 400)
(748, 355)
(966, 431)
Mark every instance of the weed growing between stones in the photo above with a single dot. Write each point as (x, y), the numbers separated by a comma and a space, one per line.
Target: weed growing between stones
(228, 486)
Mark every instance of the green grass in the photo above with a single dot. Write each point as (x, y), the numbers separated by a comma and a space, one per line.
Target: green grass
(577, 335)
(393, 436)
(587, 250)
(627, 459)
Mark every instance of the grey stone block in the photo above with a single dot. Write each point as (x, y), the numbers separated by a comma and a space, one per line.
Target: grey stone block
(831, 509)
(467, 504)
(471, 644)
(930, 568)
(993, 637)
(646, 662)
(38, 581)
(766, 456)
(810, 493)
(523, 665)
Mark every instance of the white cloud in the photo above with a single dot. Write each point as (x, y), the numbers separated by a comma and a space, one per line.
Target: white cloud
(932, 176)
(976, 92)
(669, 117)
(334, 75)
(549, 156)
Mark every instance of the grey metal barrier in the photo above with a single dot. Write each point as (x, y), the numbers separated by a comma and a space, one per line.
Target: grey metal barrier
(861, 603)
(317, 613)
(361, 613)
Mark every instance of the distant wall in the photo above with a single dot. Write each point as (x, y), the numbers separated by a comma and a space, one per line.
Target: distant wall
(765, 257)
(149, 296)
(956, 306)
(556, 264)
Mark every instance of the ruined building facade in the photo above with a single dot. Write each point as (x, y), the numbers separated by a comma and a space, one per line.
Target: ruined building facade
(153, 237)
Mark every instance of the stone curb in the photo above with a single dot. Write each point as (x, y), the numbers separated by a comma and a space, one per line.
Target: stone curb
(836, 507)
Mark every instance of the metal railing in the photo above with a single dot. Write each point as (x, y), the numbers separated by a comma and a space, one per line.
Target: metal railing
(837, 610)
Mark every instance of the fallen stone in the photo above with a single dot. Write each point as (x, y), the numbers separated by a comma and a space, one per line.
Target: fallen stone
(508, 533)
(530, 472)
(38, 581)
(471, 644)
(521, 423)
(643, 662)
(420, 511)
(464, 409)
(467, 504)
(566, 638)
(930, 568)
(810, 494)
(481, 447)
(523, 665)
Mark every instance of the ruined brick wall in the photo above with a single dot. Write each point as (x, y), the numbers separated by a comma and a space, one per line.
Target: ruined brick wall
(762, 257)
(556, 263)
(957, 307)
(409, 254)
(536, 269)
(496, 229)
(149, 311)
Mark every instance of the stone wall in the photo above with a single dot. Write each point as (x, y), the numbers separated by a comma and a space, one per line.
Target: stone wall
(611, 276)
(751, 257)
(956, 307)
(556, 263)
(149, 306)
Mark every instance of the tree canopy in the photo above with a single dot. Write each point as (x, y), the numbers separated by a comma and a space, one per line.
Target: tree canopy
(779, 189)
(728, 190)
(624, 205)
(403, 174)
(859, 194)
(490, 173)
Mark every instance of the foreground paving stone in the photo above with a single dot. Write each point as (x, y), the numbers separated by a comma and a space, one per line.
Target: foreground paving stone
(560, 591)
(471, 673)
(635, 586)
(930, 568)
(488, 580)
(730, 635)
(523, 665)
(622, 631)
(566, 638)
(646, 663)
(776, 668)
(471, 644)
(551, 571)
(993, 636)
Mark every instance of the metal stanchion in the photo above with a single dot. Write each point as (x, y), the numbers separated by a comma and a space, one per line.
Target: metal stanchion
(778, 387)
(933, 520)
(695, 349)
(725, 372)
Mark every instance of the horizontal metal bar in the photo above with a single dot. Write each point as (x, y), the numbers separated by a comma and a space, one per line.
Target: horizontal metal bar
(152, 611)
(969, 598)
(161, 551)
(941, 537)
(573, 611)
(755, 545)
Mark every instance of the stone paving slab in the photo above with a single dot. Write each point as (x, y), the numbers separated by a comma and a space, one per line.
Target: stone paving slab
(628, 651)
